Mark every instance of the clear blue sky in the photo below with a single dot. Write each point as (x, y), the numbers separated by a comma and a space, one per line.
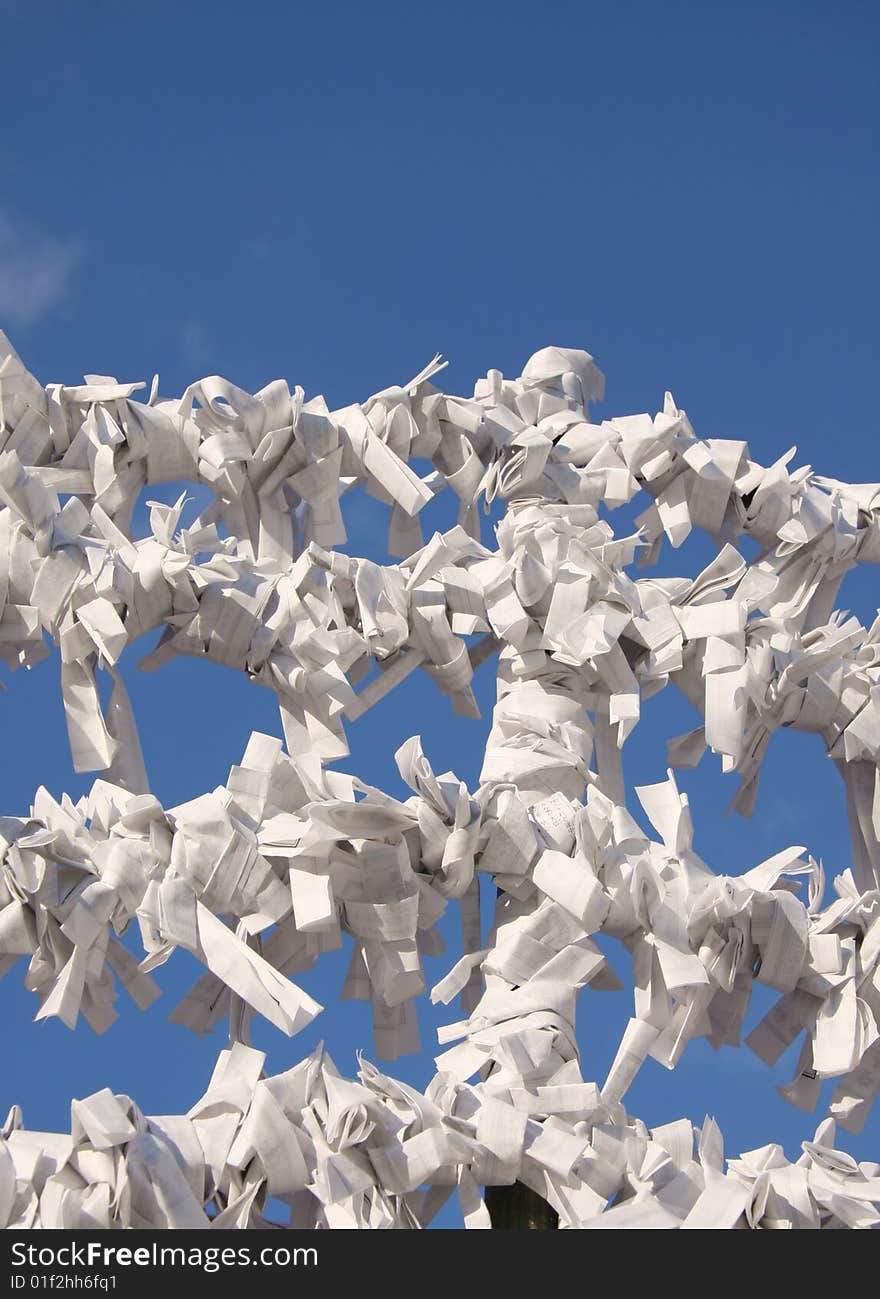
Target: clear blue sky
(333, 192)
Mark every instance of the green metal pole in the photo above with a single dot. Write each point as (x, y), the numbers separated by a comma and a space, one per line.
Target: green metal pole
(519, 1207)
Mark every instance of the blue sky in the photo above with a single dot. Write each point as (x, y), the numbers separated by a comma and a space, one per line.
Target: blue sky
(333, 193)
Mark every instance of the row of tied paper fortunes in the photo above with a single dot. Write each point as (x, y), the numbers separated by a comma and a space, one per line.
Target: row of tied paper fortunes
(377, 1154)
(309, 625)
(289, 853)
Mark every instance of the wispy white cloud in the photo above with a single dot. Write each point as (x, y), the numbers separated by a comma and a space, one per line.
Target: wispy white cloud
(195, 343)
(35, 270)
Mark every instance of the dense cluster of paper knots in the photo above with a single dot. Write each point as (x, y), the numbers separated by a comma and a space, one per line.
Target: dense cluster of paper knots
(258, 877)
